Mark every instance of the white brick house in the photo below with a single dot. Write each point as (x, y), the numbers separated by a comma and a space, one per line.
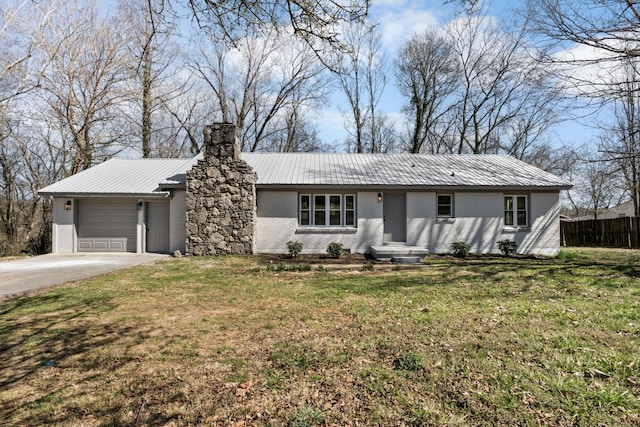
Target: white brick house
(363, 201)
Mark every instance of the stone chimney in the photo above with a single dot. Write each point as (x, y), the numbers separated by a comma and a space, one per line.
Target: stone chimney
(220, 197)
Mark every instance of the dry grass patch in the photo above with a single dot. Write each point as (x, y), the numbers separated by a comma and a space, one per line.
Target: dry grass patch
(225, 342)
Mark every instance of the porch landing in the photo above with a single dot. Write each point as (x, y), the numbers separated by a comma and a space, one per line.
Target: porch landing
(398, 252)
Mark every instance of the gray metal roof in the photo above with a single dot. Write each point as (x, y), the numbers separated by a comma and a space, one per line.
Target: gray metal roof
(399, 170)
(150, 176)
(124, 177)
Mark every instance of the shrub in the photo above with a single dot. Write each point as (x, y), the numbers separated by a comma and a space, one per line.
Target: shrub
(507, 247)
(335, 250)
(567, 256)
(294, 247)
(409, 362)
(461, 249)
(367, 266)
(306, 417)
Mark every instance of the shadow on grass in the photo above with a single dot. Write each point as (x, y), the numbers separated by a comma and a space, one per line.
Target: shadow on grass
(49, 348)
(514, 275)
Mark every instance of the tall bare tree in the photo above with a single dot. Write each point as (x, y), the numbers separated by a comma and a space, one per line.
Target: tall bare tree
(621, 141)
(155, 59)
(256, 82)
(85, 85)
(427, 74)
(359, 68)
(506, 96)
(21, 36)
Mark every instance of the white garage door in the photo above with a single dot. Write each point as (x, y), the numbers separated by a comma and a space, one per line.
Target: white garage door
(107, 225)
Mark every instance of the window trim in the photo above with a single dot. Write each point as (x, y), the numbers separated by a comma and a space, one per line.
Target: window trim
(327, 210)
(514, 211)
(452, 214)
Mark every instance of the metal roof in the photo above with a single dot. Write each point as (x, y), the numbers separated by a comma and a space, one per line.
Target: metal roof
(125, 177)
(150, 176)
(399, 170)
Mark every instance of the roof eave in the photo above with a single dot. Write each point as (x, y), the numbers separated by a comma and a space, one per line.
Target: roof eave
(154, 195)
(378, 187)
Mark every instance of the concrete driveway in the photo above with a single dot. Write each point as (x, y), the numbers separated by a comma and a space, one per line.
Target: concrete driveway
(22, 276)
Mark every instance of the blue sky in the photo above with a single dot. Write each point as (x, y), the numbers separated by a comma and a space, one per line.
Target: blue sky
(398, 20)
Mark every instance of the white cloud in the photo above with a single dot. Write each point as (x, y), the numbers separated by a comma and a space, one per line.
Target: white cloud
(589, 68)
(398, 20)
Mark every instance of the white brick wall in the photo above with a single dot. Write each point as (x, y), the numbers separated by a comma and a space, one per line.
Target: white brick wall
(479, 221)
(277, 223)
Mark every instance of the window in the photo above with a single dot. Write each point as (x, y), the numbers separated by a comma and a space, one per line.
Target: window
(515, 211)
(350, 210)
(334, 210)
(305, 209)
(445, 206)
(319, 209)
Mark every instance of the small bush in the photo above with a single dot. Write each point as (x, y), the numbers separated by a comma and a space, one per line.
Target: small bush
(461, 249)
(294, 247)
(306, 417)
(303, 267)
(409, 362)
(567, 256)
(335, 250)
(367, 266)
(283, 266)
(507, 247)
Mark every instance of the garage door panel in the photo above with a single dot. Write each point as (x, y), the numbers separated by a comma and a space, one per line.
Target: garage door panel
(107, 225)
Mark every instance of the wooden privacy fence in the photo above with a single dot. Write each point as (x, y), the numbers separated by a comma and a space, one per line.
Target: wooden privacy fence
(612, 233)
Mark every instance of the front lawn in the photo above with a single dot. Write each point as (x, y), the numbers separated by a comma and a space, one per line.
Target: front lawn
(234, 341)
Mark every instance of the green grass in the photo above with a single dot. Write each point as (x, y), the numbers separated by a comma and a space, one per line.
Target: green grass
(492, 341)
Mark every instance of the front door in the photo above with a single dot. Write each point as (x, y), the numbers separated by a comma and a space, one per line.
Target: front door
(158, 227)
(395, 217)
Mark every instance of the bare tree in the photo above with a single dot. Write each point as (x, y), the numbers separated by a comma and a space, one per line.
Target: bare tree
(507, 99)
(427, 74)
(21, 36)
(359, 68)
(621, 142)
(606, 25)
(155, 59)
(598, 184)
(317, 22)
(85, 86)
(477, 87)
(255, 83)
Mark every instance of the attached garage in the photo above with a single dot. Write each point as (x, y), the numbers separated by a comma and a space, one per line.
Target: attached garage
(107, 225)
(121, 205)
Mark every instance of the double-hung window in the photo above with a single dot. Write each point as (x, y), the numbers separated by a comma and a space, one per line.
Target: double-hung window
(445, 206)
(335, 210)
(515, 211)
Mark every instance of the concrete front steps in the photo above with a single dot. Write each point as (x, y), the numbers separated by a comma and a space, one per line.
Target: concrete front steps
(399, 252)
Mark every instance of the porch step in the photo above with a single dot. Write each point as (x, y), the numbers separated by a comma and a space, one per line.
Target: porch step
(389, 252)
(406, 259)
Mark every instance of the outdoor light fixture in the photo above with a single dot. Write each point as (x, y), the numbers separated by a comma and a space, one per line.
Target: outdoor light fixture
(139, 206)
(379, 197)
(67, 205)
